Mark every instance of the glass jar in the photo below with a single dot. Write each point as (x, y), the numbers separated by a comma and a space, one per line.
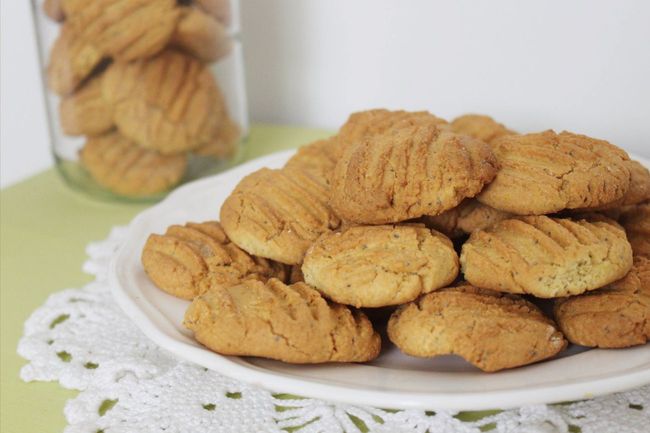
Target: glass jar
(142, 95)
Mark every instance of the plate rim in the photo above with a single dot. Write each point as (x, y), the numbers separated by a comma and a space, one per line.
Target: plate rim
(150, 320)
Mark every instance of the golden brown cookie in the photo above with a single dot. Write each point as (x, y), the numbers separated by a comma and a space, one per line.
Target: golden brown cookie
(465, 218)
(53, 9)
(121, 29)
(224, 143)
(318, 158)
(479, 126)
(546, 257)
(378, 266)
(86, 112)
(289, 323)
(409, 172)
(493, 331)
(615, 316)
(220, 9)
(188, 260)
(169, 103)
(636, 221)
(363, 125)
(121, 166)
(278, 214)
(547, 172)
(201, 35)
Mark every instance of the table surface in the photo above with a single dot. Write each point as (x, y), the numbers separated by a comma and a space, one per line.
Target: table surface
(44, 229)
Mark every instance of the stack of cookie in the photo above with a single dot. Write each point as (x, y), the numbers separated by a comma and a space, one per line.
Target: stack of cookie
(462, 230)
(134, 79)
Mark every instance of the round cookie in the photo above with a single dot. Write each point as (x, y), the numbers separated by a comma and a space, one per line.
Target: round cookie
(615, 316)
(289, 323)
(378, 266)
(85, 112)
(318, 158)
(278, 214)
(555, 172)
(188, 260)
(124, 168)
(469, 216)
(96, 30)
(201, 35)
(546, 257)
(363, 125)
(169, 103)
(479, 126)
(493, 331)
(636, 221)
(409, 172)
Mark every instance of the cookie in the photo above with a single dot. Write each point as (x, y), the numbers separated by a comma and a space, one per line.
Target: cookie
(219, 9)
(363, 125)
(555, 172)
(465, 218)
(224, 143)
(169, 103)
(409, 172)
(378, 266)
(289, 323)
(546, 257)
(188, 260)
(120, 29)
(124, 168)
(53, 9)
(492, 331)
(201, 35)
(278, 214)
(636, 221)
(479, 126)
(615, 316)
(318, 158)
(86, 112)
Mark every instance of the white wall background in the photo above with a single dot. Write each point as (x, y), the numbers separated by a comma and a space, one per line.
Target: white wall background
(582, 65)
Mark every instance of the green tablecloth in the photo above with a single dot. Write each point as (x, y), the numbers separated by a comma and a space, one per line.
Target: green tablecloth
(44, 228)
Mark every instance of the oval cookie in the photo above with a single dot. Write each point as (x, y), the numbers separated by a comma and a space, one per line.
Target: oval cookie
(554, 172)
(615, 316)
(377, 266)
(493, 331)
(122, 167)
(546, 257)
(169, 103)
(409, 172)
(188, 260)
(278, 214)
(289, 323)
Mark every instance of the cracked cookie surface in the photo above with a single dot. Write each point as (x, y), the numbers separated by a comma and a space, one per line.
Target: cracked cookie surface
(190, 259)
(546, 257)
(408, 172)
(121, 166)
(479, 126)
(615, 316)
(491, 330)
(377, 266)
(290, 323)
(169, 103)
(86, 112)
(467, 217)
(278, 214)
(554, 172)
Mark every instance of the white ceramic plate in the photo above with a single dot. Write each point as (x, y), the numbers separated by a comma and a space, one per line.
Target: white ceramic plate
(393, 380)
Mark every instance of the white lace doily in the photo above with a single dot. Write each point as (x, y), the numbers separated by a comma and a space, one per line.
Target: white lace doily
(81, 339)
